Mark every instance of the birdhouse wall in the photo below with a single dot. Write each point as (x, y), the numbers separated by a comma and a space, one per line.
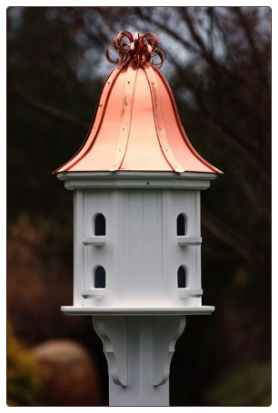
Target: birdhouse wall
(137, 248)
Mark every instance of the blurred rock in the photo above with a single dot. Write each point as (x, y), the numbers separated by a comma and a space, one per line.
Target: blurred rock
(71, 378)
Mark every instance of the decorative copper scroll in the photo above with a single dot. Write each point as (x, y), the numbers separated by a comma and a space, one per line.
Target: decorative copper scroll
(144, 48)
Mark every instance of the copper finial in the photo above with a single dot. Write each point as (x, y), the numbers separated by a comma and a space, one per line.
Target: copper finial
(145, 48)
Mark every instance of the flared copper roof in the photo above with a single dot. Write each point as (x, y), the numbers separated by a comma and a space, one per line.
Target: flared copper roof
(137, 126)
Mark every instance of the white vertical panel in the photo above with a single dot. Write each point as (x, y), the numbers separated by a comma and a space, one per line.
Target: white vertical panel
(168, 248)
(119, 246)
(174, 203)
(151, 272)
(136, 250)
(86, 231)
(198, 248)
(94, 201)
(158, 233)
(198, 212)
(77, 256)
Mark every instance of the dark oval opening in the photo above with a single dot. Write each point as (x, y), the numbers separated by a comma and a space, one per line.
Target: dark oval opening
(100, 225)
(182, 279)
(99, 277)
(181, 225)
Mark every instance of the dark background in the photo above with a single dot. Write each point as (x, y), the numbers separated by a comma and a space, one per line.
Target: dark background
(219, 66)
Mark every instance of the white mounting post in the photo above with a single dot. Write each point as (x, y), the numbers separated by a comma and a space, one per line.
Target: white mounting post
(139, 350)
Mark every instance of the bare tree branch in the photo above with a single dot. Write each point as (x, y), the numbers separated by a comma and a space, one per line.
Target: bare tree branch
(50, 111)
(147, 18)
(232, 239)
(234, 138)
(249, 32)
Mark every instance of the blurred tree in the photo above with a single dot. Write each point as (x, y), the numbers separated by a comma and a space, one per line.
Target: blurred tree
(23, 374)
(247, 387)
(42, 93)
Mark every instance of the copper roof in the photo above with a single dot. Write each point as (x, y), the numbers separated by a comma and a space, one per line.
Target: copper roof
(137, 126)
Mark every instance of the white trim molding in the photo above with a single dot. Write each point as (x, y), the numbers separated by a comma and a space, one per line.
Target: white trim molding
(135, 311)
(147, 180)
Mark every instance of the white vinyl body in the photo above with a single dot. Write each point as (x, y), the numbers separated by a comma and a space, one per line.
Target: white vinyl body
(141, 250)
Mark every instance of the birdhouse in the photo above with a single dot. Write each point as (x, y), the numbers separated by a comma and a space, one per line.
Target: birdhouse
(137, 238)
